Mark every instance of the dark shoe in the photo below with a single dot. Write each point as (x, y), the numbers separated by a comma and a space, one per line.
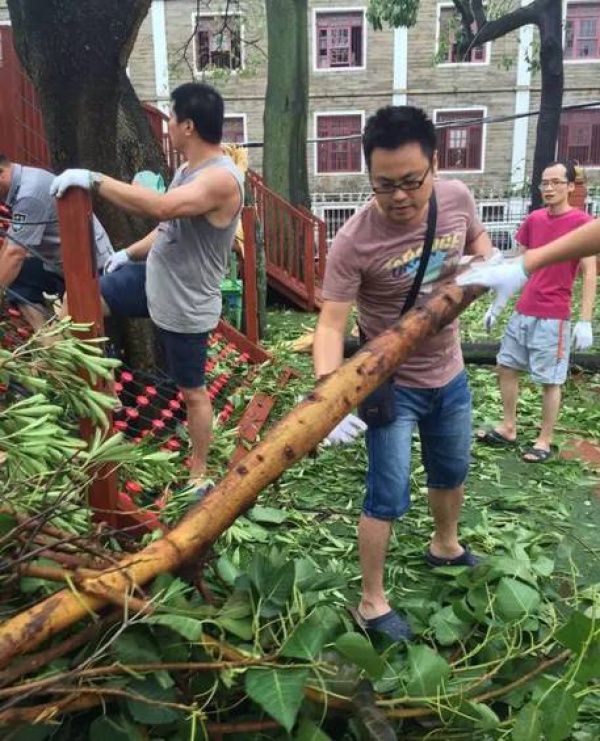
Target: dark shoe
(536, 455)
(394, 626)
(493, 437)
(466, 558)
(204, 488)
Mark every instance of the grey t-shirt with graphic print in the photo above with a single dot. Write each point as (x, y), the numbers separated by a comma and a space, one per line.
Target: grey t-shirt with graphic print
(187, 263)
(35, 218)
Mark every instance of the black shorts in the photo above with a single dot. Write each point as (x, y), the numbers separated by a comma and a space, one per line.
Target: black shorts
(186, 357)
(32, 282)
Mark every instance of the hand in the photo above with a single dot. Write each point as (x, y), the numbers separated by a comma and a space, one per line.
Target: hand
(116, 261)
(346, 431)
(583, 336)
(505, 278)
(489, 319)
(71, 179)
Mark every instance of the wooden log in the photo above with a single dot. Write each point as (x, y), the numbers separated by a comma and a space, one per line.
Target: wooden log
(291, 439)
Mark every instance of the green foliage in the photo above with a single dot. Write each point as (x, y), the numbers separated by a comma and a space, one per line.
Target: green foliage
(394, 13)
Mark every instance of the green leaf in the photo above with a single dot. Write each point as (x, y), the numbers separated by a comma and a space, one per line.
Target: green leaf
(279, 692)
(357, 649)
(155, 713)
(273, 583)
(227, 571)
(7, 523)
(29, 732)
(448, 628)
(311, 634)
(270, 515)
(428, 670)
(310, 731)
(559, 710)
(515, 600)
(528, 724)
(104, 728)
(189, 628)
(242, 628)
(482, 716)
(589, 668)
(576, 632)
(136, 646)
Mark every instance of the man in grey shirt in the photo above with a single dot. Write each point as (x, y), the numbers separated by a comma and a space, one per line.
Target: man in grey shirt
(31, 259)
(174, 274)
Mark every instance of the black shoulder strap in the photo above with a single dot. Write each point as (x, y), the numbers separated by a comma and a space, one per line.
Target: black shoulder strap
(427, 245)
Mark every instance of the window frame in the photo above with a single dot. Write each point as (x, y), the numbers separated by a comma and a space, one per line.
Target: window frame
(244, 117)
(215, 14)
(581, 60)
(315, 41)
(585, 110)
(466, 109)
(438, 27)
(320, 114)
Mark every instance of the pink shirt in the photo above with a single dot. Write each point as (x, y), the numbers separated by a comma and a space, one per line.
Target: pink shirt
(373, 261)
(547, 294)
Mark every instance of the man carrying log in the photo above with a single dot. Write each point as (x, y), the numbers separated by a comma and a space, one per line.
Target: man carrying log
(174, 274)
(373, 262)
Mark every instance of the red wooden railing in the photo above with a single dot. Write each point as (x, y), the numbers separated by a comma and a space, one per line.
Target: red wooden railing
(295, 245)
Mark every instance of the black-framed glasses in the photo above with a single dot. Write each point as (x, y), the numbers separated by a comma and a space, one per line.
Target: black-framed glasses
(545, 184)
(405, 185)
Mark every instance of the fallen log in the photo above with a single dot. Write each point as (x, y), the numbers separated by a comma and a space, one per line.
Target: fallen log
(291, 439)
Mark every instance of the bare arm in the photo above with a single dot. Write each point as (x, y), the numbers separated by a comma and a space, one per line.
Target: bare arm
(138, 251)
(580, 243)
(212, 189)
(328, 346)
(588, 291)
(11, 259)
(481, 245)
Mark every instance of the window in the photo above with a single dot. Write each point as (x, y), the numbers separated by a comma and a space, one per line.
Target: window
(581, 31)
(460, 147)
(579, 137)
(335, 218)
(218, 42)
(493, 211)
(339, 40)
(234, 130)
(343, 155)
(450, 32)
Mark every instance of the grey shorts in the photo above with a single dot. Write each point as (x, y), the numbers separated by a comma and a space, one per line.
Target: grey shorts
(540, 346)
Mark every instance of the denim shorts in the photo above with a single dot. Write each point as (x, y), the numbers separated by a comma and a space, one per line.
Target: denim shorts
(32, 282)
(540, 346)
(124, 290)
(186, 357)
(443, 416)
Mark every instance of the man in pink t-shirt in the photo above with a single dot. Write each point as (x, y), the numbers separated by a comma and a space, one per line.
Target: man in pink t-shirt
(538, 335)
(372, 263)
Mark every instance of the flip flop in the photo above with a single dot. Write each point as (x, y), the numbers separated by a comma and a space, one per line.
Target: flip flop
(466, 558)
(390, 623)
(538, 455)
(493, 437)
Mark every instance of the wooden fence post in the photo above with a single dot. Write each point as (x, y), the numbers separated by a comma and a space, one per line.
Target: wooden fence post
(83, 290)
(250, 288)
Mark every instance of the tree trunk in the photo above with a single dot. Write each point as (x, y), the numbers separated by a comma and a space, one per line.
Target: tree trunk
(286, 104)
(551, 58)
(75, 52)
(295, 436)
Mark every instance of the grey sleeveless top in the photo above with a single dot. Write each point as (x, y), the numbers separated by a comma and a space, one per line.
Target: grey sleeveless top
(187, 263)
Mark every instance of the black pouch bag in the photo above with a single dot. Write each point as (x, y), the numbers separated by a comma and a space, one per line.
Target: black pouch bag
(379, 408)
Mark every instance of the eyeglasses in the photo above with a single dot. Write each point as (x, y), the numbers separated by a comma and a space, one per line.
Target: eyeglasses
(545, 184)
(403, 185)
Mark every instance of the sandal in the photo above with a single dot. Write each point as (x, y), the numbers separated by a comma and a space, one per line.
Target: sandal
(466, 558)
(536, 455)
(390, 623)
(493, 437)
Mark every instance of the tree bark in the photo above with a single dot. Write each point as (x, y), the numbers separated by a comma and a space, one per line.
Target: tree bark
(75, 53)
(291, 439)
(286, 104)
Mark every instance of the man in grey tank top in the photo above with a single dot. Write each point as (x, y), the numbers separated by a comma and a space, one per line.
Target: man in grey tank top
(174, 274)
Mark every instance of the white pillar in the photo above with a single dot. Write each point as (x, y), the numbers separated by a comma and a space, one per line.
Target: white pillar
(400, 92)
(161, 60)
(522, 101)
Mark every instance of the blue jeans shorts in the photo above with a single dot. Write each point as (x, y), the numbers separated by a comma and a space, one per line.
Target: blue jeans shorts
(443, 416)
(32, 282)
(186, 357)
(124, 291)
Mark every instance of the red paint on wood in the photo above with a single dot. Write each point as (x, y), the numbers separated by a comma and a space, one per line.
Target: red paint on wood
(251, 324)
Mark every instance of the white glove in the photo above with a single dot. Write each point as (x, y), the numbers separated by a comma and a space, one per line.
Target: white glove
(583, 336)
(72, 179)
(116, 261)
(489, 319)
(505, 278)
(346, 431)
